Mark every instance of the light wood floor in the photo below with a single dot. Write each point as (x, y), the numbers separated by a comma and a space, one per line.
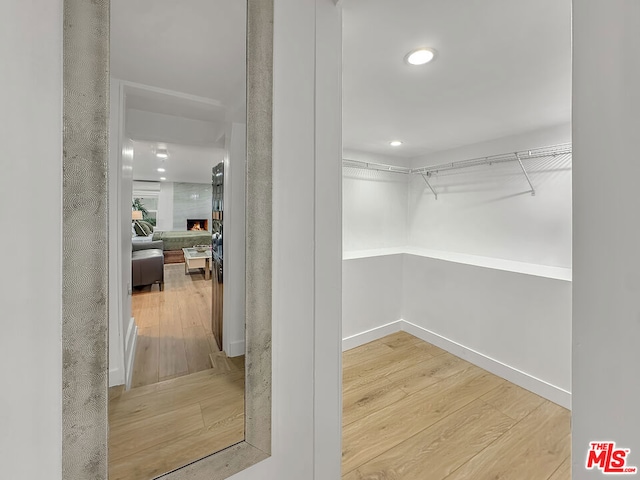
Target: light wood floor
(412, 411)
(187, 399)
(157, 428)
(174, 327)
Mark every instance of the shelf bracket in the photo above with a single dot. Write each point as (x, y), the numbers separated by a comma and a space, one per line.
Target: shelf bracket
(424, 177)
(533, 190)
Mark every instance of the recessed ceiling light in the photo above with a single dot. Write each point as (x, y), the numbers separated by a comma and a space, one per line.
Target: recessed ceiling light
(162, 179)
(162, 155)
(420, 56)
(161, 170)
(395, 143)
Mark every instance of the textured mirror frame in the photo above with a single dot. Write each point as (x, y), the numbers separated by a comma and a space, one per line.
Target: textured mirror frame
(85, 247)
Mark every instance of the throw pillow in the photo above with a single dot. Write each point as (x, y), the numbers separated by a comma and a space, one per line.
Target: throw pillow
(138, 228)
(146, 226)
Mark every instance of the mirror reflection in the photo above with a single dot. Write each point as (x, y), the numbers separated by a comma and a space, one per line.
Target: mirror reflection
(177, 136)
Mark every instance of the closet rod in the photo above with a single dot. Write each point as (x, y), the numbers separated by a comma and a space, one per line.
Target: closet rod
(552, 151)
(427, 171)
(382, 167)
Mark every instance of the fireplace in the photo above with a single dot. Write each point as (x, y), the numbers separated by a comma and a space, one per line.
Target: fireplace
(197, 224)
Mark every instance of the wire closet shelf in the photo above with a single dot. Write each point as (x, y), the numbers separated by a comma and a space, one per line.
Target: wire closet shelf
(426, 171)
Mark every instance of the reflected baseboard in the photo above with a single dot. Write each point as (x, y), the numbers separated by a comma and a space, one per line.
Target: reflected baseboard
(236, 349)
(130, 344)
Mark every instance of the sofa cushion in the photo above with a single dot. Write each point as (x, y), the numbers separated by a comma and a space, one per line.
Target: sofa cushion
(155, 244)
(146, 254)
(147, 267)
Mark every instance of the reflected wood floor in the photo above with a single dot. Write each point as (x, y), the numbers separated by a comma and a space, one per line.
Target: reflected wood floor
(174, 327)
(412, 411)
(187, 399)
(157, 428)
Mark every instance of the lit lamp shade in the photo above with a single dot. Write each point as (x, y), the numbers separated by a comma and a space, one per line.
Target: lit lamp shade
(136, 215)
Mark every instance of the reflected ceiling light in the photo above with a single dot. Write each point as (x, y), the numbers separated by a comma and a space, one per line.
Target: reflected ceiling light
(395, 143)
(420, 56)
(162, 152)
(162, 179)
(161, 170)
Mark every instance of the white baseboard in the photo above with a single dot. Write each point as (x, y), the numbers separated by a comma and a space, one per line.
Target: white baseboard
(115, 377)
(130, 343)
(370, 335)
(522, 379)
(235, 349)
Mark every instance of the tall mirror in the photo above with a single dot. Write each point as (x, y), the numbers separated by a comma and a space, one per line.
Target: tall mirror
(189, 234)
(177, 80)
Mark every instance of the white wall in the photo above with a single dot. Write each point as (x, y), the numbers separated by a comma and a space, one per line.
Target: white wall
(482, 211)
(328, 243)
(235, 166)
(374, 204)
(173, 211)
(606, 123)
(191, 201)
(306, 391)
(122, 330)
(31, 93)
(508, 318)
(606, 257)
(519, 320)
(371, 297)
(487, 210)
(128, 329)
(116, 335)
(158, 127)
(485, 227)
(164, 219)
(374, 209)
(30, 287)
(536, 138)
(374, 223)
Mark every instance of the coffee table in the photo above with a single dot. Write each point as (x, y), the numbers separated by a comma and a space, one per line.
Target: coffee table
(196, 259)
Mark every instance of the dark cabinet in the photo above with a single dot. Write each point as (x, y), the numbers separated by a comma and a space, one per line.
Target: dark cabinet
(217, 229)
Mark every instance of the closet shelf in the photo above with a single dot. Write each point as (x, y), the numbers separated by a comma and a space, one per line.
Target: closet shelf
(375, 166)
(428, 170)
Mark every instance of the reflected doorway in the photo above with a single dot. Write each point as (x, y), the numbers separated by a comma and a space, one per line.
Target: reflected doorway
(177, 372)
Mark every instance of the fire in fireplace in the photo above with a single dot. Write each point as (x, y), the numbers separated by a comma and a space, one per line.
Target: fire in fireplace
(197, 224)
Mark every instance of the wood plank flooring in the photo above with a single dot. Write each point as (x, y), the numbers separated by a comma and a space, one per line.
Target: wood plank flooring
(174, 327)
(412, 411)
(187, 399)
(160, 427)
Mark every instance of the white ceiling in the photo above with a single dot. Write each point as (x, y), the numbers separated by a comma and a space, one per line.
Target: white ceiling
(185, 163)
(195, 47)
(503, 67)
(182, 106)
(187, 60)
